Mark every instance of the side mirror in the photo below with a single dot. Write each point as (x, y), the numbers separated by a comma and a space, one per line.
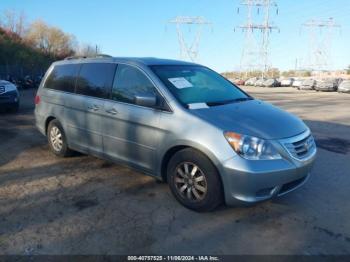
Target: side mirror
(147, 100)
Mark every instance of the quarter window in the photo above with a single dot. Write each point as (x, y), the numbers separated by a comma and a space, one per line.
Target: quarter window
(63, 77)
(130, 81)
(95, 79)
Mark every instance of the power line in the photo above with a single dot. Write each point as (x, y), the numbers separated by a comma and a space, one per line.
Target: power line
(256, 49)
(189, 51)
(320, 33)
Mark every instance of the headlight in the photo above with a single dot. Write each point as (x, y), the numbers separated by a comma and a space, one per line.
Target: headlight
(252, 148)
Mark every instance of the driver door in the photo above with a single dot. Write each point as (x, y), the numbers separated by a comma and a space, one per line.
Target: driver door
(130, 131)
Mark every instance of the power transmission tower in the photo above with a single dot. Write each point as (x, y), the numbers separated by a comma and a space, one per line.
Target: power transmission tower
(256, 49)
(189, 51)
(320, 34)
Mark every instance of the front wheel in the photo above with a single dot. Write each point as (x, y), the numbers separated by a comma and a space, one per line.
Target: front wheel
(194, 181)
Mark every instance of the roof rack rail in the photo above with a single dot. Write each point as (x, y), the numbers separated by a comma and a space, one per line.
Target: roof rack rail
(84, 57)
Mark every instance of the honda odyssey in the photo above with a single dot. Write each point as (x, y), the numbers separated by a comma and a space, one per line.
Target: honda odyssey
(179, 122)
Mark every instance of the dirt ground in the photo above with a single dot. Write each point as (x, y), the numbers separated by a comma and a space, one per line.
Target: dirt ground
(84, 205)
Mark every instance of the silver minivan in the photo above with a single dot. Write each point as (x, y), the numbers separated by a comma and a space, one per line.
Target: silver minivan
(179, 122)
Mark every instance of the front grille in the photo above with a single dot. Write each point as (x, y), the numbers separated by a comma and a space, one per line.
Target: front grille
(301, 148)
(2, 89)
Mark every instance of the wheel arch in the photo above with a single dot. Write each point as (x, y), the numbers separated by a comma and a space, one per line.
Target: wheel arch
(171, 151)
(47, 122)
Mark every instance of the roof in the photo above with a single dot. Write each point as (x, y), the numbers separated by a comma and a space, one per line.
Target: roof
(148, 61)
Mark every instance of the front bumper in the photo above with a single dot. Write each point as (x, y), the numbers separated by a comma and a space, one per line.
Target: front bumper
(306, 87)
(343, 90)
(326, 89)
(9, 99)
(249, 181)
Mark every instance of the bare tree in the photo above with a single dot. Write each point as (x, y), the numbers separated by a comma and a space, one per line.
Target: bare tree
(87, 50)
(20, 26)
(50, 40)
(13, 22)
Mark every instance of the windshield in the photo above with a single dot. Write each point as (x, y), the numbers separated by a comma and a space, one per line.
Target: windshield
(197, 84)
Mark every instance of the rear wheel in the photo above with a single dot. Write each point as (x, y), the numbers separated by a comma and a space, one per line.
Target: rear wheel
(194, 180)
(57, 139)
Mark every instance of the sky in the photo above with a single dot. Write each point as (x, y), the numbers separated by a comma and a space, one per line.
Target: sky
(141, 28)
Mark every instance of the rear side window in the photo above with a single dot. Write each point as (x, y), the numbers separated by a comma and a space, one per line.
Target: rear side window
(130, 81)
(95, 79)
(63, 77)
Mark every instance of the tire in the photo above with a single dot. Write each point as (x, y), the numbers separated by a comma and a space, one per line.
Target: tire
(57, 139)
(203, 189)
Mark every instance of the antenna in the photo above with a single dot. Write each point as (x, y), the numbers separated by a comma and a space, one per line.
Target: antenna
(189, 52)
(320, 33)
(256, 49)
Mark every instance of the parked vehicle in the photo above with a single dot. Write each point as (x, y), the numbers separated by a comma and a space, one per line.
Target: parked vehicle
(339, 81)
(37, 80)
(344, 86)
(271, 83)
(251, 81)
(240, 82)
(9, 96)
(287, 82)
(326, 85)
(297, 83)
(26, 83)
(260, 82)
(179, 122)
(307, 84)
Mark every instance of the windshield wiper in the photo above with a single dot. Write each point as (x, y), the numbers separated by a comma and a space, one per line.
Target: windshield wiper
(219, 103)
(242, 99)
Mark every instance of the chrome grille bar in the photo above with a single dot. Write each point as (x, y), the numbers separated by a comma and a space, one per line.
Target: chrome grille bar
(300, 147)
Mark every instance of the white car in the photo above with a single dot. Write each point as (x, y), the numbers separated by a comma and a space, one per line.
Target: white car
(287, 82)
(297, 83)
(344, 86)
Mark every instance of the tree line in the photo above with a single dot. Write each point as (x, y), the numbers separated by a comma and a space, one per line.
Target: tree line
(29, 48)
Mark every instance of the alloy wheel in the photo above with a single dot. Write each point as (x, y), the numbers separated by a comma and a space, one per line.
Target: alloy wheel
(56, 138)
(190, 182)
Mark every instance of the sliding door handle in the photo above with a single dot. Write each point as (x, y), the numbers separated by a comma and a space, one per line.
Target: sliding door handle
(112, 111)
(93, 107)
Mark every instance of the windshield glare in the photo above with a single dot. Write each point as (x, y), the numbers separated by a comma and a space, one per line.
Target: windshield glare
(197, 84)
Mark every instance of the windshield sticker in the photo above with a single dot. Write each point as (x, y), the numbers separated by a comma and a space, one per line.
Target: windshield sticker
(198, 106)
(180, 82)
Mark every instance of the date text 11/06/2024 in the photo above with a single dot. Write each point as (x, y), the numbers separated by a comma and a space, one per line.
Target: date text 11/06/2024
(173, 258)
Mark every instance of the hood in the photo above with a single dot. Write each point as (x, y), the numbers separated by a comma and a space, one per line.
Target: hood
(254, 118)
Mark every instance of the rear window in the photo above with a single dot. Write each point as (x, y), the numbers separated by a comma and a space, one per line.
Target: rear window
(63, 78)
(95, 79)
